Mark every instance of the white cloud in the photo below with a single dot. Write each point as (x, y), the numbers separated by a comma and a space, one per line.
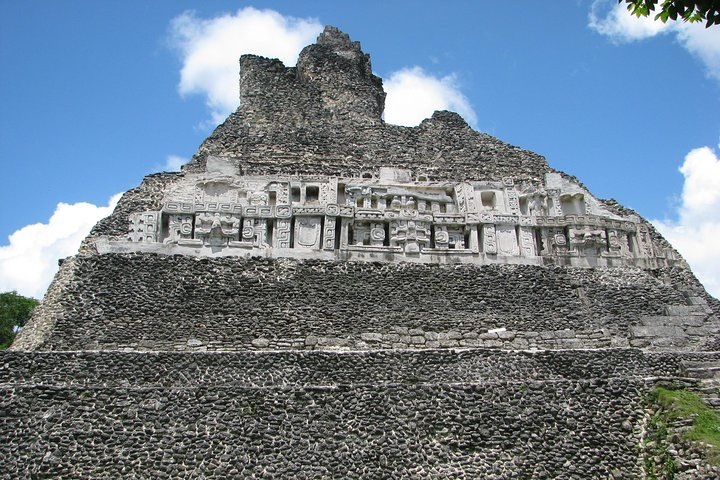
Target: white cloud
(413, 95)
(173, 163)
(697, 231)
(702, 42)
(620, 25)
(29, 262)
(211, 48)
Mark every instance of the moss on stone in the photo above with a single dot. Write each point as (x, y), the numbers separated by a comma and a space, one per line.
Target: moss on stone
(683, 404)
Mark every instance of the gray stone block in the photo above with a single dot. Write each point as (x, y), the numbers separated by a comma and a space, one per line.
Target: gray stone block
(657, 331)
(372, 337)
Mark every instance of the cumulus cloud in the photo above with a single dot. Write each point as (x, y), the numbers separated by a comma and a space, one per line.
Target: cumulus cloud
(696, 232)
(173, 163)
(621, 26)
(210, 49)
(29, 262)
(413, 95)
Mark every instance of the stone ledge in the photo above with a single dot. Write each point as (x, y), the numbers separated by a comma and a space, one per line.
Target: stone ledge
(105, 245)
(269, 368)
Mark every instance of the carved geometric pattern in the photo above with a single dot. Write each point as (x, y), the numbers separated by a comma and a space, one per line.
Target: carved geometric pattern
(527, 241)
(180, 227)
(387, 213)
(329, 234)
(513, 201)
(282, 234)
(144, 227)
(489, 239)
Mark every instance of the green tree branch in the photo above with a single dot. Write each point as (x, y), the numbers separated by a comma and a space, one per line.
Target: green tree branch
(686, 10)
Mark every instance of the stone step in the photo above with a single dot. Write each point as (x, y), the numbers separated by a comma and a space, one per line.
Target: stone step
(687, 310)
(704, 372)
(700, 363)
(651, 331)
(695, 300)
(672, 320)
(709, 389)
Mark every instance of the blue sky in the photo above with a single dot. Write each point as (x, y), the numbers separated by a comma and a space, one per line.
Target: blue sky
(91, 100)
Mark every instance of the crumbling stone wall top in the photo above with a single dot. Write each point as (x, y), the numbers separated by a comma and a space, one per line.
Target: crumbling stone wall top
(325, 117)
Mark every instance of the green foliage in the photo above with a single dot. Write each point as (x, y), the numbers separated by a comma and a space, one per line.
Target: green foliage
(669, 407)
(706, 421)
(656, 447)
(15, 310)
(687, 10)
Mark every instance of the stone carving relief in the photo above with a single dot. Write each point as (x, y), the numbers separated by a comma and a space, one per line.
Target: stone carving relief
(390, 213)
(282, 233)
(307, 233)
(507, 240)
(254, 232)
(534, 201)
(180, 227)
(527, 242)
(587, 240)
(559, 243)
(144, 227)
(411, 235)
(489, 239)
(329, 233)
(644, 241)
(615, 243)
(216, 229)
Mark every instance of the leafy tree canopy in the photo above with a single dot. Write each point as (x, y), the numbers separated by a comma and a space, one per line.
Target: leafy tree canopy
(687, 10)
(15, 310)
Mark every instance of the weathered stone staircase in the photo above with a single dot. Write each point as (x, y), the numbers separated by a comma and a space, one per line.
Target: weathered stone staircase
(687, 326)
(708, 375)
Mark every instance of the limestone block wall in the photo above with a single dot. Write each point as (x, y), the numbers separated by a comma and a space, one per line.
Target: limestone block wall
(430, 414)
(151, 302)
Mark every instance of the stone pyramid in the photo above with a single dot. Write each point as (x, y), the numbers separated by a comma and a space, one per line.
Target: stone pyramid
(319, 294)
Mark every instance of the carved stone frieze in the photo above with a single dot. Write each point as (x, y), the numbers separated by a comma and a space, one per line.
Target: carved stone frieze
(307, 233)
(180, 227)
(144, 227)
(489, 239)
(216, 229)
(411, 235)
(390, 212)
(254, 232)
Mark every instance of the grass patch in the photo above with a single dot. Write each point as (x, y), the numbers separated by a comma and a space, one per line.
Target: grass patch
(682, 404)
(659, 464)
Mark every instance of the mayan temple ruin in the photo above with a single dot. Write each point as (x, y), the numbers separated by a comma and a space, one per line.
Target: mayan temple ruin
(319, 294)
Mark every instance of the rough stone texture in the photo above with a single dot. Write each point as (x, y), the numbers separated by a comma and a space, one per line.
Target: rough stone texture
(337, 369)
(530, 430)
(150, 302)
(475, 414)
(324, 368)
(146, 196)
(324, 117)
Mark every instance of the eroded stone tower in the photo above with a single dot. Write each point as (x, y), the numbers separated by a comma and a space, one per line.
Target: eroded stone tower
(319, 294)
